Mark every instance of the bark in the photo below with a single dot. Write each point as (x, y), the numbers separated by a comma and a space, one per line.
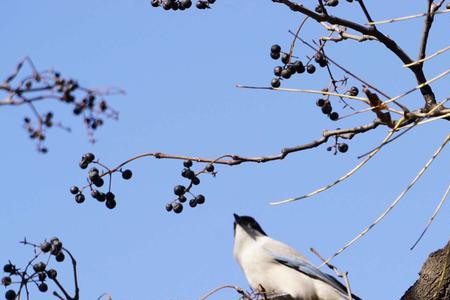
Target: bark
(434, 278)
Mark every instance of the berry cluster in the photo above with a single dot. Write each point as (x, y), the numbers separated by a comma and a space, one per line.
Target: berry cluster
(181, 4)
(327, 109)
(181, 190)
(290, 67)
(49, 84)
(40, 272)
(95, 180)
(332, 3)
(338, 147)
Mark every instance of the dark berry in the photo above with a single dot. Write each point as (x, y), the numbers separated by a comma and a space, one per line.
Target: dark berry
(320, 102)
(178, 208)
(187, 163)
(10, 295)
(318, 57)
(110, 203)
(211, 1)
(60, 256)
(275, 83)
(182, 199)
(323, 63)
(329, 148)
(275, 48)
(98, 182)
(110, 196)
(209, 168)
(286, 74)
(46, 247)
(83, 164)
(200, 199)
(39, 267)
(334, 116)
(89, 157)
(343, 147)
(186, 3)
(332, 3)
(353, 91)
(275, 56)
(74, 190)
(6, 281)
(192, 203)
(326, 109)
(56, 243)
(285, 58)
(9, 268)
(43, 287)
(299, 67)
(310, 69)
(127, 174)
(169, 206)
(42, 276)
(52, 273)
(277, 70)
(155, 3)
(179, 190)
(195, 181)
(79, 198)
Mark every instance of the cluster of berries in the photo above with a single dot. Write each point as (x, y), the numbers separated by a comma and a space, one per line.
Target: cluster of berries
(41, 271)
(181, 4)
(96, 181)
(291, 67)
(341, 147)
(327, 109)
(180, 190)
(50, 84)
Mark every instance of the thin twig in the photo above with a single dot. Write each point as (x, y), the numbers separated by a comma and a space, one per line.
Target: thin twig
(210, 293)
(444, 11)
(394, 203)
(436, 211)
(427, 58)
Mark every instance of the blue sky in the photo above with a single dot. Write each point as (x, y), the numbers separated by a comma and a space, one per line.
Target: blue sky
(179, 70)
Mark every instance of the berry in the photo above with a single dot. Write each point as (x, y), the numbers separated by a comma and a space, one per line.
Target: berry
(310, 69)
(195, 181)
(110, 196)
(318, 57)
(46, 247)
(211, 1)
(323, 63)
(275, 48)
(329, 148)
(74, 190)
(286, 74)
(209, 168)
(9, 268)
(275, 83)
(52, 273)
(60, 256)
(56, 243)
(83, 164)
(42, 276)
(192, 203)
(320, 102)
(6, 281)
(353, 91)
(127, 174)
(326, 109)
(179, 190)
(343, 147)
(155, 3)
(332, 3)
(334, 116)
(43, 287)
(277, 70)
(169, 206)
(285, 58)
(110, 203)
(93, 173)
(178, 208)
(299, 67)
(79, 198)
(10, 295)
(98, 182)
(186, 3)
(200, 199)
(89, 157)
(182, 199)
(187, 163)
(39, 267)
(275, 56)
(188, 173)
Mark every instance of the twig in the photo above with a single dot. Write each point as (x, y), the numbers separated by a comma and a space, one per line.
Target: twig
(406, 18)
(394, 203)
(436, 211)
(348, 174)
(236, 288)
(427, 58)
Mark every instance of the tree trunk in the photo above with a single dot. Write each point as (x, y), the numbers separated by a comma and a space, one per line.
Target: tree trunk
(434, 278)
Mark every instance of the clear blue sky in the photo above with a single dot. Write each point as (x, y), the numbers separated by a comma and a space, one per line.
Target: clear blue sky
(179, 71)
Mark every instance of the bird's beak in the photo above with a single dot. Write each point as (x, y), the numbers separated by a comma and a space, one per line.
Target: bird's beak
(236, 218)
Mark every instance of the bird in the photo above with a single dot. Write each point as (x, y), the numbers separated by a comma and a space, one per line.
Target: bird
(277, 271)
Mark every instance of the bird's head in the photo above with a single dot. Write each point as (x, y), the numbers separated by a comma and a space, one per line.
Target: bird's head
(248, 226)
